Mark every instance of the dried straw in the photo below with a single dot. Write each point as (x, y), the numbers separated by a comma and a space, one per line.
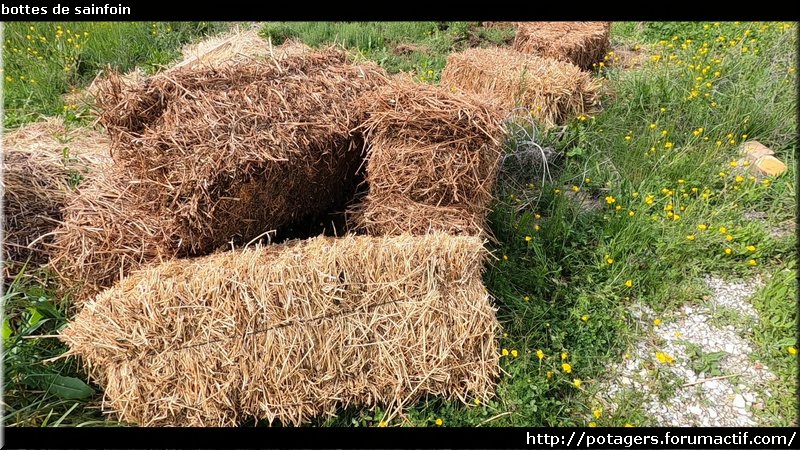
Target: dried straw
(42, 162)
(293, 331)
(552, 90)
(243, 148)
(206, 158)
(427, 147)
(234, 47)
(110, 228)
(581, 43)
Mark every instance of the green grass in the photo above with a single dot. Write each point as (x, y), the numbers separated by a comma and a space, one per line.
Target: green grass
(44, 60)
(556, 291)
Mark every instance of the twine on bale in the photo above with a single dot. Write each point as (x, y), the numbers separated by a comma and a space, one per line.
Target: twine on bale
(581, 43)
(552, 90)
(429, 147)
(293, 331)
(42, 164)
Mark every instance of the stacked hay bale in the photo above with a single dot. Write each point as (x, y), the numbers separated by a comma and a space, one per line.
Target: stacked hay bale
(431, 163)
(215, 156)
(581, 43)
(292, 331)
(42, 164)
(552, 90)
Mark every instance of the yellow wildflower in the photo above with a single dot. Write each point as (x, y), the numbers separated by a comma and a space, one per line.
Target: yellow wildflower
(690, 237)
(566, 367)
(728, 251)
(597, 413)
(702, 227)
(752, 262)
(564, 355)
(585, 318)
(504, 352)
(629, 283)
(610, 199)
(657, 322)
(439, 422)
(514, 353)
(540, 354)
(792, 350)
(577, 382)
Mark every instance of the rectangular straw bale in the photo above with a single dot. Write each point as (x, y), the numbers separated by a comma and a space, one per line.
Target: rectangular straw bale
(109, 227)
(552, 90)
(243, 148)
(293, 331)
(42, 164)
(581, 43)
(429, 146)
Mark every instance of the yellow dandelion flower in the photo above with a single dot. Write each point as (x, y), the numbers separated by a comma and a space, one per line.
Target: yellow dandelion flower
(629, 283)
(540, 354)
(439, 422)
(566, 367)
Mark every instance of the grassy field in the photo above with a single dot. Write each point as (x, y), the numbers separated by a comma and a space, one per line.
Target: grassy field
(664, 202)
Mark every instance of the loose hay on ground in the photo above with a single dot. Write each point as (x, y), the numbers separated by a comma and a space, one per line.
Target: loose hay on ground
(430, 147)
(293, 331)
(552, 90)
(42, 164)
(581, 43)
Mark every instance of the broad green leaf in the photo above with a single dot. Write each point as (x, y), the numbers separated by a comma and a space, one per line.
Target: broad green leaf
(69, 388)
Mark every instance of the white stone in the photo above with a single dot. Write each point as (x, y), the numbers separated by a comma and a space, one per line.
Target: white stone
(738, 402)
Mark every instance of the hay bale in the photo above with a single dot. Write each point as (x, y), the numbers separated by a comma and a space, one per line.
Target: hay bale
(42, 163)
(430, 147)
(552, 90)
(110, 227)
(244, 148)
(214, 157)
(387, 215)
(581, 43)
(293, 331)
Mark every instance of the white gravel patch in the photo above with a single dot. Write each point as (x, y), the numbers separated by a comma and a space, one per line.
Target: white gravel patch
(699, 399)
